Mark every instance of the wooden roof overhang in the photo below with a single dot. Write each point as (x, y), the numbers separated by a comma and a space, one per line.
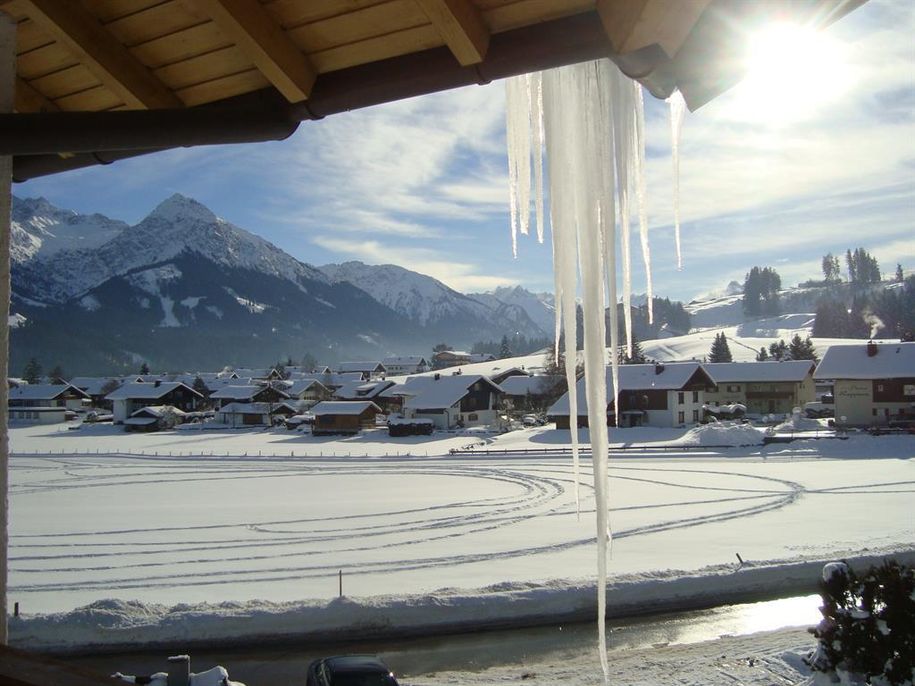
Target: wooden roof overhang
(99, 80)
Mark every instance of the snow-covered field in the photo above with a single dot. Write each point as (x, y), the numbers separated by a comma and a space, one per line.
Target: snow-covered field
(260, 524)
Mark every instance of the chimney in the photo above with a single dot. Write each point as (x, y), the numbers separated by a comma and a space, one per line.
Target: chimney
(871, 349)
(658, 368)
(179, 670)
(158, 383)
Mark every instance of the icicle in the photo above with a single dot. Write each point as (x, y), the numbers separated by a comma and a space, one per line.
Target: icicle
(641, 195)
(537, 147)
(518, 139)
(677, 112)
(593, 135)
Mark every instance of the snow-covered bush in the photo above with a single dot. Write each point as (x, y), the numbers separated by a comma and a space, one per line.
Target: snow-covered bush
(867, 634)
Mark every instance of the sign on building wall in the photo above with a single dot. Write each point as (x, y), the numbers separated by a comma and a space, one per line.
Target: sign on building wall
(908, 389)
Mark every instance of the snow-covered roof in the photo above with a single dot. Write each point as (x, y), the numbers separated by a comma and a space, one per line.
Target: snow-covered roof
(522, 385)
(93, 385)
(157, 411)
(147, 391)
(359, 389)
(635, 377)
(140, 421)
(892, 360)
(409, 360)
(348, 407)
(43, 391)
(785, 371)
(255, 408)
(233, 392)
(434, 393)
(299, 386)
(371, 366)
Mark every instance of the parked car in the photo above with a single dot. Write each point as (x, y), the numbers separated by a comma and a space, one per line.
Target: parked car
(531, 420)
(815, 410)
(350, 670)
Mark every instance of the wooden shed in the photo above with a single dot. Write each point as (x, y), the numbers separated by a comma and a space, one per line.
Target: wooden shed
(343, 417)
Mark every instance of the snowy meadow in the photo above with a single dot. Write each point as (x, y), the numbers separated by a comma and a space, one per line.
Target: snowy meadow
(264, 526)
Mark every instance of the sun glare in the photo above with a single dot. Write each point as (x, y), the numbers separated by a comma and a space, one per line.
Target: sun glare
(791, 72)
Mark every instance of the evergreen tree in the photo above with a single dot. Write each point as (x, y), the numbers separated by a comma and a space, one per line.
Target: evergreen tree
(504, 348)
(638, 355)
(201, 387)
(799, 349)
(900, 277)
(32, 371)
(831, 319)
(720, 352)
(831, 270)
(441, 347)
(862, 267)
(309, 362)
(57, 374)
(762, 355)
(852, 266)
(760, 292)
(144, 369)
(778, 350)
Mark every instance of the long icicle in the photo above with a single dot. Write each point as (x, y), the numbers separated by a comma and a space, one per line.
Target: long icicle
(623, 129)
(677, 113)
(639, 158)
(537, 148)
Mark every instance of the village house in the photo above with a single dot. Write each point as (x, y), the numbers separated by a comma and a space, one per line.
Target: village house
(44, 403)
(452, 400)
(134, 396)
(664, 395)
(240, 415)
(404, 366)
(370, 371)
(526, 393)
(250, 393)
(762, 387)
(96, 387)
(343, 417)
(873, 383)
(455, 358)
(307, 391)
(153, 418)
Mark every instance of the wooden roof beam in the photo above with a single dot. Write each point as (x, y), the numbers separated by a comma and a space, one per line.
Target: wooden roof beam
(634, 24)
(265, 43)
(461, 26)
(73, 26)
(30, 100)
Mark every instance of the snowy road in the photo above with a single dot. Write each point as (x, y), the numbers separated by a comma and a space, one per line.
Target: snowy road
(186, 529)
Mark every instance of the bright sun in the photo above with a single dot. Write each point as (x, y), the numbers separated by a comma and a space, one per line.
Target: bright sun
(791, 71)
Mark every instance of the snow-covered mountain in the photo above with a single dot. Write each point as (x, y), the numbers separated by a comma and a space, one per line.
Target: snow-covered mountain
(39, 230)
(432, 304)
(184, 288)
(538, 306)
(176, 226)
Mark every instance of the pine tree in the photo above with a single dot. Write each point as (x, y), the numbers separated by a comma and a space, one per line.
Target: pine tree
(32, 371)
(144, 369)
(504, 348)
(762, 355)
(201, 387)
(779, 350)
(801, 349)
(830, 268)
(57, 374)
(900, 277)
(638, 355)
(720, 352)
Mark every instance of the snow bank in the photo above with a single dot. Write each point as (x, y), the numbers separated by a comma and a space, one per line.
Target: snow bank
(722, 434)
(111, 624)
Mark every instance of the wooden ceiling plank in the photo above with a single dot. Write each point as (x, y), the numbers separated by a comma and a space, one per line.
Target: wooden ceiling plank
(377, 48)
(45, 60)
(461, 26)
(292, 13)
(224, 87)
(514, 15)
(634, 24)
(110, 61)
(29, 99)
(266, 44)
(65, 82)
(354, 27)
(93, 100)
(180, 46)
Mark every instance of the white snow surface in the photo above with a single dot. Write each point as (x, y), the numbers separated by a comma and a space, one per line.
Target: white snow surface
(203, 534)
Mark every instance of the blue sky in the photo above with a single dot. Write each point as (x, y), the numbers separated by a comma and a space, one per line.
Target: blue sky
(766, 178)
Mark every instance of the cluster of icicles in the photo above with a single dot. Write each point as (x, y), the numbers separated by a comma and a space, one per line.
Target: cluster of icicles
(589, 120)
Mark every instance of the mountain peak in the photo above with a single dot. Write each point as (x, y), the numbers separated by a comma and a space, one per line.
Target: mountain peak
(178, 207)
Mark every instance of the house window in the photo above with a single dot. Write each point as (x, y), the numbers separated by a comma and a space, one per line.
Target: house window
(680, 400)
(695, 396)
(880, 388)
(472, 418)
(681, 417)
(874, 411)
(695, 415)
(733, 389)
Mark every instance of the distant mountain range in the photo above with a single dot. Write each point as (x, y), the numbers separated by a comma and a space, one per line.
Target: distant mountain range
(184, 289)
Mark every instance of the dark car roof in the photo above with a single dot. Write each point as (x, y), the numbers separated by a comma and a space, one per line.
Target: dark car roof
(356, 663)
